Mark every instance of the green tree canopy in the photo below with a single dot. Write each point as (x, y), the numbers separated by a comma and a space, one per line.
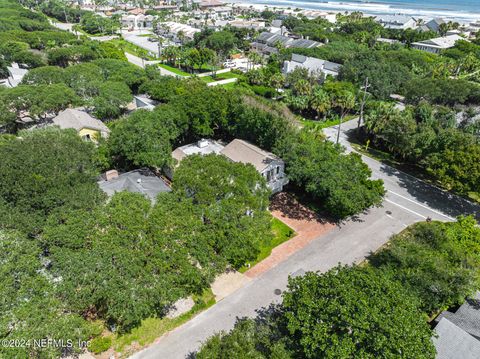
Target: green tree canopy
(62, 177)
(144, 138)
(354, 312)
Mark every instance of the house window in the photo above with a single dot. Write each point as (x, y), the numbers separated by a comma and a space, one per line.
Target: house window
(87, 137)
(278, 170)
(269, 176)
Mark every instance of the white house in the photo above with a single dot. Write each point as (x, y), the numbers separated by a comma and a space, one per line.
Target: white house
(271, 167)
(173, 29)
(438, 44)
(136, 22)
(397, 22)
(313, 64)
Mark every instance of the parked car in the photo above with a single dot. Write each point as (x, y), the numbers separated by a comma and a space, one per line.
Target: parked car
(229, 64)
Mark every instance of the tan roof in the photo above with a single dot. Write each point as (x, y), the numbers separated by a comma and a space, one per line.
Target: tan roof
(76, 119)
(178, 154)
(245, 152)
(137, 11)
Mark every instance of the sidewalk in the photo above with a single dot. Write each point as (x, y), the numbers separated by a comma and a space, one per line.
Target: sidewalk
(308, 226)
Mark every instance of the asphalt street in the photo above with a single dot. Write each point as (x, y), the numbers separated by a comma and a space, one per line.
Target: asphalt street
(407, 201)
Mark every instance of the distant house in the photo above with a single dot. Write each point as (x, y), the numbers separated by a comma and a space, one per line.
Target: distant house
(88, 127)
(144, 102)
(271, 167)
(438, 44)
(397, 22)
(459, 332)
(173, 29)
(313, 65)
(141, 181)
(268, 42)
(137, 22)
(15, 77)
(247, 24)
(434, 24)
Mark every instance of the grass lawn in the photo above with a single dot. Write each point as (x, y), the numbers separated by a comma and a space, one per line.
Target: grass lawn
(281, 233)
(152, 328)
(130, 48)
(174, 70)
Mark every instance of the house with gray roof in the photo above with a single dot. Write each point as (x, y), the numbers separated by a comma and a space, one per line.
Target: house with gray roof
(141, 181)
(397, 22)
(312, 64)
(268, 42)
(438, 44)
(459, 332)
(452, 342)
(434, 24)
(15, 75)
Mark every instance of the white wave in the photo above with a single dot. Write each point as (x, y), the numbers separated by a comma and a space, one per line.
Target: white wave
(371, 8)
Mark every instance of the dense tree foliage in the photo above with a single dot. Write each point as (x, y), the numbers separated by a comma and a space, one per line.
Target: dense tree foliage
(234, 197)
(144, 138)
(436, 262)
(339, 182)
(346, 312)
(29, 308)
(31, 187)
(130, 273)
(428, 137)
(350, 312)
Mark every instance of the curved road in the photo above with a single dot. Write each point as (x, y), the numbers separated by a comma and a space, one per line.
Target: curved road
(408, 200)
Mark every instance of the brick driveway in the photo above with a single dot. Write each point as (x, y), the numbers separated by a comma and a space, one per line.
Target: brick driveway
(306, 223)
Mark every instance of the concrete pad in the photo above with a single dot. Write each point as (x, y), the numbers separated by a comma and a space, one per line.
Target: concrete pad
(227, 283)
(180, 307)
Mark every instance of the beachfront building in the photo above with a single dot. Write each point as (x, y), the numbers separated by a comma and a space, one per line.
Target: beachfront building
(268, 43)
(312, 64)
(397, 22)
(177, 32)
(137, 22)
(438, 44)
(247, 24)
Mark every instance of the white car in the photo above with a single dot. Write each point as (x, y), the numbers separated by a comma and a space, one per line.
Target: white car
(229, 64)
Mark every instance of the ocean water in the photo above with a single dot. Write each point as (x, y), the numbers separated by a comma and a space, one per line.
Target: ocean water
(462, 10)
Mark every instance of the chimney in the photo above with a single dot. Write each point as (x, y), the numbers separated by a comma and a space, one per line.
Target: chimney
(111, 175)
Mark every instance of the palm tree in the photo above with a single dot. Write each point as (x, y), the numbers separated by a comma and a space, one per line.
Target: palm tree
(181, 36)
(277, 81)
(320, 102)
(344, 100)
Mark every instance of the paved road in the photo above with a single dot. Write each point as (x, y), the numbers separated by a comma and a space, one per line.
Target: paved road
(405, 190)
(407, 201)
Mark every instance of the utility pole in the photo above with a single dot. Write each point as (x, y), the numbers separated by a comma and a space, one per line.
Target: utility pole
(362, 105)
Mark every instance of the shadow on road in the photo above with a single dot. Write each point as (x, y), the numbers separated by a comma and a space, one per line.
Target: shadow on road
(433, 197)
